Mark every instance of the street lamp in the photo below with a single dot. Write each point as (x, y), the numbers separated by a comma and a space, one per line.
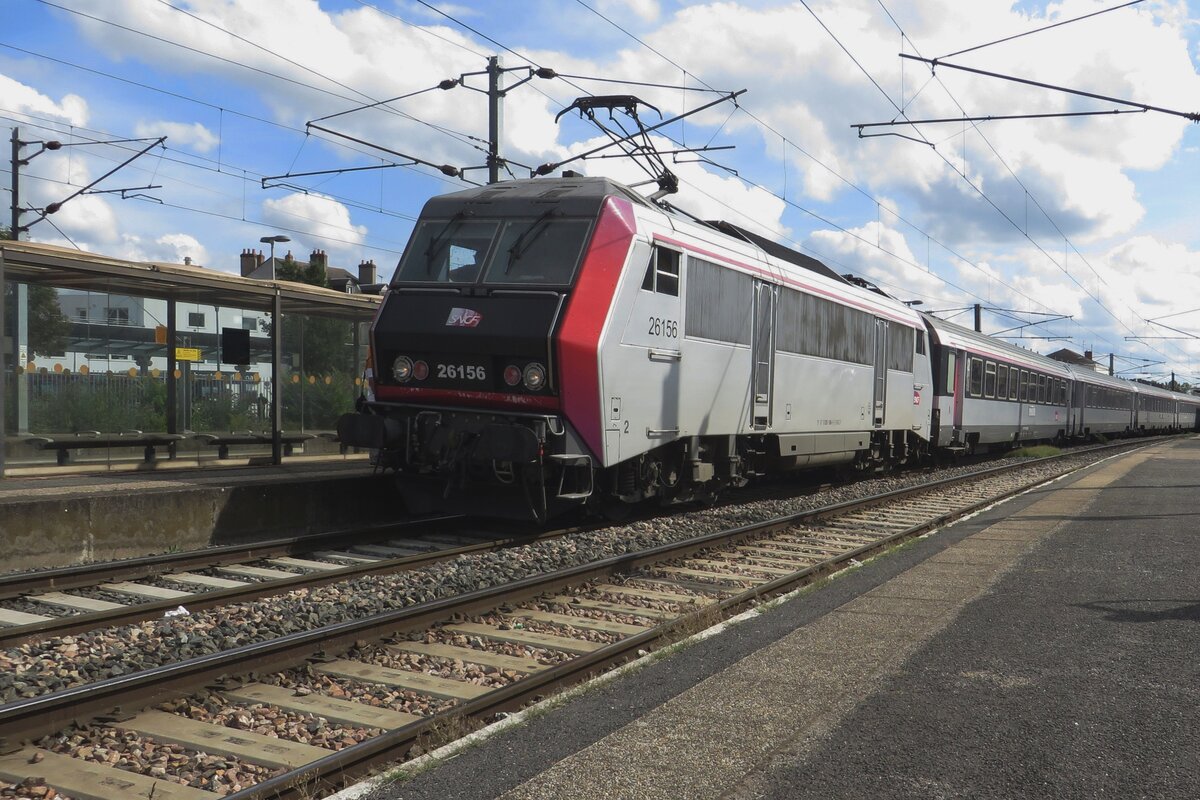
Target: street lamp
(271, 240)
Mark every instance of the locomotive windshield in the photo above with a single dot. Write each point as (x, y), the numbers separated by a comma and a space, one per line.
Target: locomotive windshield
(541, 251)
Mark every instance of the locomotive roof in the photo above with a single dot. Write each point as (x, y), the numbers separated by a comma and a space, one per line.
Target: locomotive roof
(582, 196)
(776, 249)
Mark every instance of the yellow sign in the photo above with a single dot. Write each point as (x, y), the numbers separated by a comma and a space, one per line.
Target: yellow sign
(187, 354)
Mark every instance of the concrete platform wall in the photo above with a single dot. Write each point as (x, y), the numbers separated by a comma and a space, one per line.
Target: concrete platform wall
(129, 520)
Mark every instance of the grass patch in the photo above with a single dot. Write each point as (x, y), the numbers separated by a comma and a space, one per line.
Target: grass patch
(1036, 451)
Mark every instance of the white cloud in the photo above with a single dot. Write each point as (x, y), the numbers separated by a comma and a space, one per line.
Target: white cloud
(645, 10)
(85, 217)
(881, 254)
(23, 99)
(179, 134)
(327, 220)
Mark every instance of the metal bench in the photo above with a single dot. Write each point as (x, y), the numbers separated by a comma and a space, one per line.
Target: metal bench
(63, 444)
(223, 441)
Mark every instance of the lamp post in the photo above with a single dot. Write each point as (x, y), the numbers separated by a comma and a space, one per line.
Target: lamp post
(271, 240)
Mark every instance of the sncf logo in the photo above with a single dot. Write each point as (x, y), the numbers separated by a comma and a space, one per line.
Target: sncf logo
(463, 318)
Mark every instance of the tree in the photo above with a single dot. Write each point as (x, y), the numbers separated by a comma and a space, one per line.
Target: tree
(49, 328)
(321, 340)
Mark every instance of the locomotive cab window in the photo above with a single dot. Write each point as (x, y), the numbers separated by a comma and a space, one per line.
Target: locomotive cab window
(447, 251)
(662, 273)
(541, 251)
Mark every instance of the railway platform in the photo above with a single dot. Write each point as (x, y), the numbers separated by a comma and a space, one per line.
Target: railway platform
(62, 519)
(1045, 647)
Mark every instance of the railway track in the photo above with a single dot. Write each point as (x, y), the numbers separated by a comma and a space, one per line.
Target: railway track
(397, 681)
(68, 600)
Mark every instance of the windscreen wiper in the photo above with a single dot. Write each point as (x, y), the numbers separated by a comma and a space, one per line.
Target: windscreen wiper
(436, 243)
(528, 237)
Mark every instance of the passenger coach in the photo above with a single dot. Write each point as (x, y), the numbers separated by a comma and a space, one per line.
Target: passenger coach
(988, 392)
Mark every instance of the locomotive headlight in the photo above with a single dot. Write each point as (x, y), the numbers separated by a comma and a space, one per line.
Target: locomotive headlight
(535, 376)
(512, 374)
(402, 369)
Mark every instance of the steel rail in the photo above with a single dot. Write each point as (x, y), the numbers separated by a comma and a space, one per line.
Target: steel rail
(73, 577)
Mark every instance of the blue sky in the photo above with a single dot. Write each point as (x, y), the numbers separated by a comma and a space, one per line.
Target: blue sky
(1088, 217)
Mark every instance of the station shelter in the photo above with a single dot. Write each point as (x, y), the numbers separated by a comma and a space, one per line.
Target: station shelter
(114, 364)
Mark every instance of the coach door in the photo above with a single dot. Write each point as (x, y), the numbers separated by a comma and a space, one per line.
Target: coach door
(881, 351)
(763, 343)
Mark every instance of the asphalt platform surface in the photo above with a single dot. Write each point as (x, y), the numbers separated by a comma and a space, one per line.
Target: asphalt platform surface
(1047, 647)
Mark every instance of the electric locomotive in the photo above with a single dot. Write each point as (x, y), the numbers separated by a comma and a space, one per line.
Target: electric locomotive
(551, 343)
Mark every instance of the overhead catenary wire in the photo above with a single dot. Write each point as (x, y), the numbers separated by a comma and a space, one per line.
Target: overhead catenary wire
(223, 110)
(1029, 195)
(766, 126)
(242, 65)
(246, 176)
(1037, 30)
(961, 174)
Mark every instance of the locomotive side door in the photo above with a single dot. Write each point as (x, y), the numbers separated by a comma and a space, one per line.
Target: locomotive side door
(766, 297)
(881, 353)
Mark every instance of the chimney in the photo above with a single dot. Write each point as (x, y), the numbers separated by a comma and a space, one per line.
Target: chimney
(251, 261)
(187, 261)
(319, 257)
(1087, 354)
(367, 273)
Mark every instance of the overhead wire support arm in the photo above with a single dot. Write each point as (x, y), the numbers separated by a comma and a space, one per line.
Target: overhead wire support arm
(935, 63)
(1186, 334)
(125, 193)
(54, 207)
(1054, 318)
(989, 118)
(444, 85)
(445, 169)
(323, 172)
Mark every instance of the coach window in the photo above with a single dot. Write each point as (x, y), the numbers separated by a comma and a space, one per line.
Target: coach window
(920, 344)
(1024, 385)
(976, 386)
(662, 274)
(989, 380)
(1002, 381)
(950, 373)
